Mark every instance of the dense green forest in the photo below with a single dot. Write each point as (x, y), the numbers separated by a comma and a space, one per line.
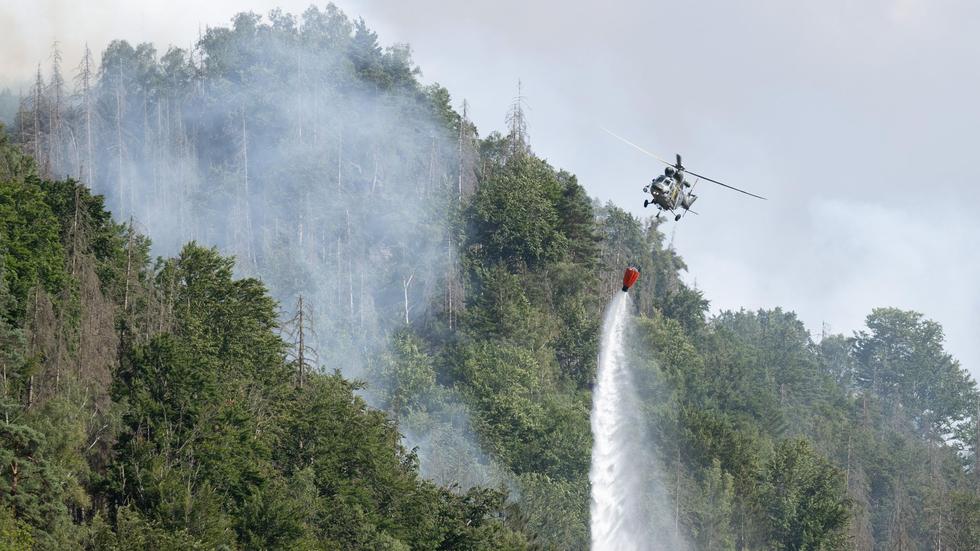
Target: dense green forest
(360, 225)
(151, 405)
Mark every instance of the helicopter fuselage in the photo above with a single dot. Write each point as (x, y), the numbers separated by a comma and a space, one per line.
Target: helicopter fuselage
(671, 191)
(668, 191)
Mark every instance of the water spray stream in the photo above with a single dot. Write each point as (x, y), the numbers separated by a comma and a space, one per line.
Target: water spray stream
(629, 505)
(617, 515)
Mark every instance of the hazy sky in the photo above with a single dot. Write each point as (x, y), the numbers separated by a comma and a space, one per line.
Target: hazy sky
(855, 119)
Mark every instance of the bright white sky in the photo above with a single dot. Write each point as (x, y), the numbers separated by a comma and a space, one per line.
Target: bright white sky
(856, 120)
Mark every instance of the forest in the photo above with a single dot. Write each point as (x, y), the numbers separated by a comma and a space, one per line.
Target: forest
(277, 292)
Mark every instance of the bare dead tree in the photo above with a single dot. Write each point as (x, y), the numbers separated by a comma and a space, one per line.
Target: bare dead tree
(406, 284)
(246, 192)
(376, 174)
(340, 156)
(298, 332)
(300, 114)
(467, 156)
(43, 348)
(120, 144)
(316, 114)
(55, 94)
(450, 273)
(431, 183)
(350, 268)
(129, 263)
(96, 357)
(36, 108)
(517, 124)
(459, 156)
(339, 273)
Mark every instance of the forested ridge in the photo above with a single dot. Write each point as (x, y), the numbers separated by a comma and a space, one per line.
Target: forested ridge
(318, 210)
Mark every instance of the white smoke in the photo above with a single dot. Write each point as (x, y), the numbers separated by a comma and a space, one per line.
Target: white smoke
(301, 146)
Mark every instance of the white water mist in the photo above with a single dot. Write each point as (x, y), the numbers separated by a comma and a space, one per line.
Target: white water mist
(629, 508)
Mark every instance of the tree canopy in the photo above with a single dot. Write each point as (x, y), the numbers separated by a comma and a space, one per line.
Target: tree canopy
(173, 401)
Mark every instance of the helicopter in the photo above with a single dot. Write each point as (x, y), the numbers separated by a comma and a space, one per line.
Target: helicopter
(671, 191)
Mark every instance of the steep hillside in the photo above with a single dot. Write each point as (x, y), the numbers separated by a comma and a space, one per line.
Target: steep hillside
(152, 405)
(167, 403)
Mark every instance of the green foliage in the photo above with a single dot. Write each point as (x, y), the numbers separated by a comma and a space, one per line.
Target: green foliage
(134, 531)
(312, 152)
(805, 505)
(11, 337)
(515, 215)
(577, 221)
(15, 535)
(29, 244)
(963, 529)
(502, 309)
(205, 442)
(407, 375)
(901, 360)
(14, 164)
(556, 510)
(711, 509)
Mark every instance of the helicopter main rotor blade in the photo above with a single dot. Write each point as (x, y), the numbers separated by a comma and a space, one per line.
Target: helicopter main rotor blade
(645, 152)
(633, 145)
(725, 185)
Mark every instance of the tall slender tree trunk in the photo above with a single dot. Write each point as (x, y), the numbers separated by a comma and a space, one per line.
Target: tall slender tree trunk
(129, 263)
(449, 281)
(350, 268)
(89, 157)
(33, 347)
(74, 232)
(302, 345)
(374, 178)
(677, 495)
(432, 168)
(38, 91)
(360, 300)
(76, 154)
(316, 115)
(120, 189)
(300, 88)
(55, 139)
(246, 199)
(339, 273)
(406, 283)
(340, 156)
(459, 155)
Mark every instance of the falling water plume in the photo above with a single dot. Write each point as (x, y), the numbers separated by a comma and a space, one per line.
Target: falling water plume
(629, 507)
